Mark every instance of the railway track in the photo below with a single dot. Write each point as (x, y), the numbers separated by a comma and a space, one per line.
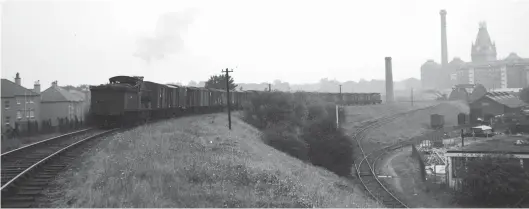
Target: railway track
(27, 170)
(365, 168)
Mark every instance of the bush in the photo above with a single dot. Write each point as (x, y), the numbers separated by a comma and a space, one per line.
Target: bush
(283, 139)
(303, 127)
(493, 181)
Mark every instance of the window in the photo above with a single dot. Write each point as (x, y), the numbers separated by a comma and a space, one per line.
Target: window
(32, 113)
(19, 115)
(6, 104)
(18, 101)
(7, 121)
(31, 100)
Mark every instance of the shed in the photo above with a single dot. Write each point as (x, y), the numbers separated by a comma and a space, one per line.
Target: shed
(495, 103)
(509, 145)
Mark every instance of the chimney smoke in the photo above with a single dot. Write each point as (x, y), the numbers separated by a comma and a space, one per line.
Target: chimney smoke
(389, 81)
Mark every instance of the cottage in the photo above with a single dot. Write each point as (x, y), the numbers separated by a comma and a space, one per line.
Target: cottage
(495, 103)
(19, 105)
(60, 103)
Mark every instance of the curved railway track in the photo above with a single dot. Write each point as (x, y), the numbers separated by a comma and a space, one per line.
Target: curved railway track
(365, 168)
(27, 170)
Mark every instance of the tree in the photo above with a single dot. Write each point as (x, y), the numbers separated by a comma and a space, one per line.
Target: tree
(219, 82)
(492, 181)
(524, 94)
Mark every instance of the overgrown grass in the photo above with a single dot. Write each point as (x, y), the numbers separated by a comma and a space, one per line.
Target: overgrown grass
(302, 127)
(198, 162)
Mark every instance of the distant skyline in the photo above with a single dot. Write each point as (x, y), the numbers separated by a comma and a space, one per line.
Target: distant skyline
(86, 42)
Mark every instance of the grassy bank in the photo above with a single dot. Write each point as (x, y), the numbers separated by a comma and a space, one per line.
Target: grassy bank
(303, 127)
(197, 162)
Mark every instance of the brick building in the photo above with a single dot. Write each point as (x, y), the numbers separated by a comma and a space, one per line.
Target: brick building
(19, 104)
(509, 73)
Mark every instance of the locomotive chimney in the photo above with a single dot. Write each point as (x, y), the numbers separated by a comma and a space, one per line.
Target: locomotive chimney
(444, 44)
(389, 81)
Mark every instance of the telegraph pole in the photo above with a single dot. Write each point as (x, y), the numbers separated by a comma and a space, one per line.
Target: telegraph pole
(412, 97)
(269, 87)
(341, 99)
(228, 94)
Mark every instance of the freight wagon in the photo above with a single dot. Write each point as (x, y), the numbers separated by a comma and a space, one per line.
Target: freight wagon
(129, 100)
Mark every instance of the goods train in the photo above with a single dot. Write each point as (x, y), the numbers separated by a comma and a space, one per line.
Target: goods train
(129, 100)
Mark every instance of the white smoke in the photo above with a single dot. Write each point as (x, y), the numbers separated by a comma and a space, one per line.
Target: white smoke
(168, 36)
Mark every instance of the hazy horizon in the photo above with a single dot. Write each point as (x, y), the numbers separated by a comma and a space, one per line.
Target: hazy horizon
(86, 42)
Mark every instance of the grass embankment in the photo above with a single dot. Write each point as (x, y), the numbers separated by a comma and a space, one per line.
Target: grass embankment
(198, 162)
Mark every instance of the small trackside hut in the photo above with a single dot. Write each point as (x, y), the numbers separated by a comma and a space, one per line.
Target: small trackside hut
(514, 147)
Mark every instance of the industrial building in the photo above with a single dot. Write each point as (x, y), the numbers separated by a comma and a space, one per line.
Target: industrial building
(485, 68)
(493, 104)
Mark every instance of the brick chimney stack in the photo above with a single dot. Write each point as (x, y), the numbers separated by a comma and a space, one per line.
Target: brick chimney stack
(36, 87)
(389, 81)
(444, 43)
(17, 79)
(54, 83)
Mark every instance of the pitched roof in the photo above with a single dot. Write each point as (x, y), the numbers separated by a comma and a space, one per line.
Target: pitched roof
(11, 89)
(58, 94)
(79, 94)
(506, 99)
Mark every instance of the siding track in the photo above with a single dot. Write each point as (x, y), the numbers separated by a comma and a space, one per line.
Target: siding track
(365, 161)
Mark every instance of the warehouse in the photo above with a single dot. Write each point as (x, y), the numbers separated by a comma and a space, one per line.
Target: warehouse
(495, 103)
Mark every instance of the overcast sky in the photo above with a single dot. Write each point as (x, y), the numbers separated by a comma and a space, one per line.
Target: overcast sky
(78, 42)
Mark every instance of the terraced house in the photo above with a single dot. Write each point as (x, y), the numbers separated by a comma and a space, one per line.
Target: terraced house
(19, 104)
(58, 102)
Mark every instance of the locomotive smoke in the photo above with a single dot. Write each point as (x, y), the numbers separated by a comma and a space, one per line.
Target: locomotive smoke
(168, 36)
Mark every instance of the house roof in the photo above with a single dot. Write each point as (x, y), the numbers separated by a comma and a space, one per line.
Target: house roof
(506, 99)
(496, 144)
(11, 89)
(80, 95)
(58, 94)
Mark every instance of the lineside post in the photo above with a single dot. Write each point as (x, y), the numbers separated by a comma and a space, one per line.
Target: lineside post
(228, 94)
(337, 118)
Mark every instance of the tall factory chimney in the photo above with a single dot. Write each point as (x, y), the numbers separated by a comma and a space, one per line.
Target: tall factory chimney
(444, 44)
(389, 81)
